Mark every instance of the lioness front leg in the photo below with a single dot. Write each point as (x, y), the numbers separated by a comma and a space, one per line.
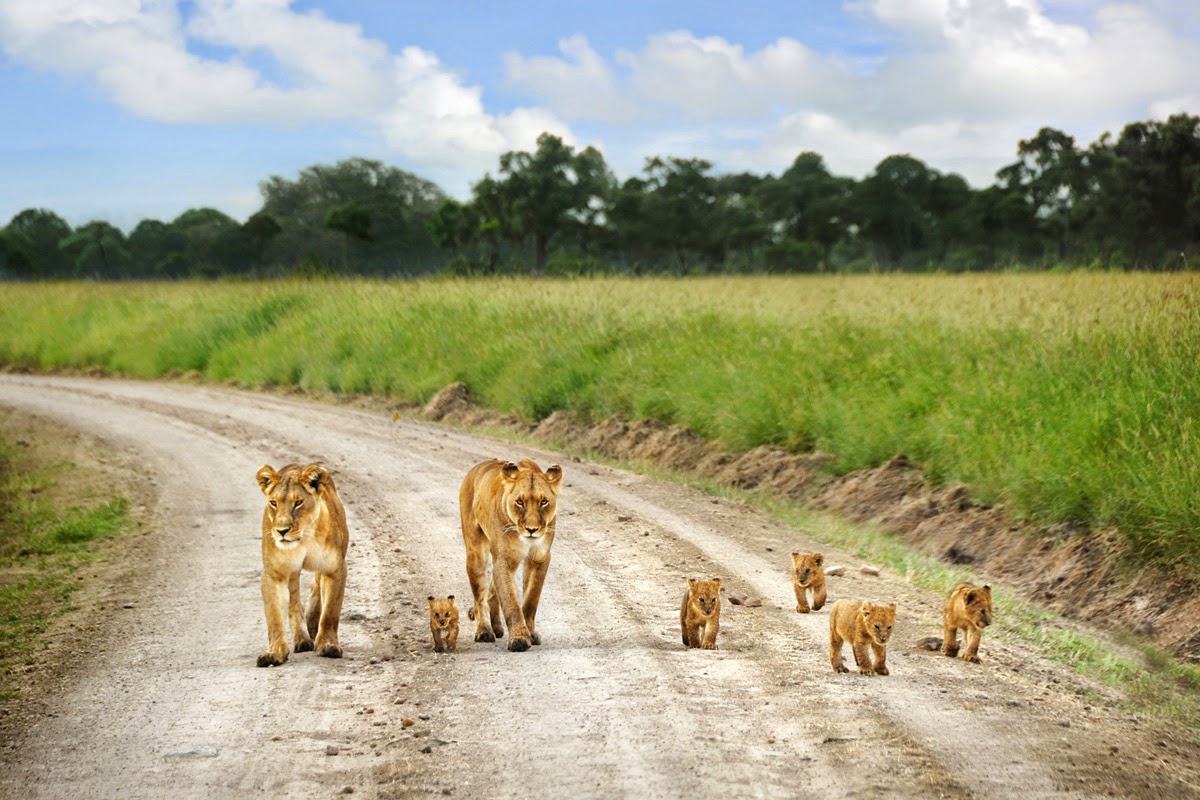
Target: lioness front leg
(274, 595)
(535, 578)
(333, 588)
(477, 575)
(301, 640)
(504, 577)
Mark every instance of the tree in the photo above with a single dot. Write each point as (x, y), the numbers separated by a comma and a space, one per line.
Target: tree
(892, 206)
(35, 234)
(808, 210)
(97, 249)
(399, 203)
(156, 250)
(544, 192)
(353, 222)
(1051, 173)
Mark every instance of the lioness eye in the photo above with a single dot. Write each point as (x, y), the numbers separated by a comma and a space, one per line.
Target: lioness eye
(274, 504)
(520, 504)
(545, 502)
(297, 504)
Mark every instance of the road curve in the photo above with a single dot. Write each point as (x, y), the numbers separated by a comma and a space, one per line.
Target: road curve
(610, 704)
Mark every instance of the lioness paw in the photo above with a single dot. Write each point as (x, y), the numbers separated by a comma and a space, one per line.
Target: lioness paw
(269, 659)
(330, 651)
(303, 646)
(518, 644)
(485, 636)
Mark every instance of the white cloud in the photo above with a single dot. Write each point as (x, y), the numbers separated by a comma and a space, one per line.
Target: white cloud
(581, 85)
(144, 55)
(441, 124)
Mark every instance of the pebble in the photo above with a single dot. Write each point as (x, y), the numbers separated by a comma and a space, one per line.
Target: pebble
(331, 750)
(866, 569)
(407, 722)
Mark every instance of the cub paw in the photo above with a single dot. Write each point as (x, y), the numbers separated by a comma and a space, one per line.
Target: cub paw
(518, 644)
(972, 658)
(303, 646)
(841, 668)
(437, 648)
(485, 636)
(269, 659)
(866, 671)
(881, 670)
(801, 609)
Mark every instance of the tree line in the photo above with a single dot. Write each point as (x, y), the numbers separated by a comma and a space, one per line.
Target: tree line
(1132, 201)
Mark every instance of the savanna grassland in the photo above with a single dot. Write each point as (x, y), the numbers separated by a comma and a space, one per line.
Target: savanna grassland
(1067, 396)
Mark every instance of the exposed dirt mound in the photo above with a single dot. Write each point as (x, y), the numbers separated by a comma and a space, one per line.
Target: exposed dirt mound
(1081, 573)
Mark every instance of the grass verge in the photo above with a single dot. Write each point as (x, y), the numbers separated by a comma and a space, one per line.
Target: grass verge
(44, 543)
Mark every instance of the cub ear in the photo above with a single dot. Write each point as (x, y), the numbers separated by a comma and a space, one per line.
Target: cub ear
(430, 599)
(717, 581)
(818, 559)
(510, 471)
(553, 474)
(267, 478)
(987, 588)
(795, 553)
(971, 597)
(313, 476)
(691, 582)
(449, 597)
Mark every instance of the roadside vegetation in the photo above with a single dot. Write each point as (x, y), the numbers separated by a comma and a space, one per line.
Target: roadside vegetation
(46, 539)
(1070, 397)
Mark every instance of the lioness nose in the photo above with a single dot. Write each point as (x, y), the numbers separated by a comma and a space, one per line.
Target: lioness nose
(282, 531)
(531, 530)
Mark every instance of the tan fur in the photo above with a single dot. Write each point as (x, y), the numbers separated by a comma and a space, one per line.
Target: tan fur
(443, 623)
(700, 613)
(808, 575)
(864, 625)
(969, 608)
(303, 527)
(508, 517)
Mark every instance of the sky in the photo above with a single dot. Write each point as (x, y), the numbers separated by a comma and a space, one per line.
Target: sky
(124, 110)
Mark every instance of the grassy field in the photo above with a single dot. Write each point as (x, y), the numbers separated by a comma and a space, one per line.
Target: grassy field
(1067, 396)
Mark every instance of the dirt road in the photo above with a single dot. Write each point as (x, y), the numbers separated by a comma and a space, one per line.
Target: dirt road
(166, 701)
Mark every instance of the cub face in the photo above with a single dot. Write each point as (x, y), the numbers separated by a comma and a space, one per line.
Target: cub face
(978, 605)
(293, 504)
(705, 593)
(442, 612)
(530, 498)
(806, 566)
(879, 621)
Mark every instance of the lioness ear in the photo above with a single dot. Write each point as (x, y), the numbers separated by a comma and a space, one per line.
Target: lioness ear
(313, 476)
(553, 474)
(267, 478)
(511, 471)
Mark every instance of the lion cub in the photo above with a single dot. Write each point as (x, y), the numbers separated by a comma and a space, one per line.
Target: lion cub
(443, 623)
(862, 624)
(700, 613)
(969, 608)
(808, 575)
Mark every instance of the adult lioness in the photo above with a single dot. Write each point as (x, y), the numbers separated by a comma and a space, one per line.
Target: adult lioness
(508, 513)
(303, 527)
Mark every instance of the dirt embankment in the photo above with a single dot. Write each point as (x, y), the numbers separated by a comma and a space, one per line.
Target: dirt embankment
(1081, 573)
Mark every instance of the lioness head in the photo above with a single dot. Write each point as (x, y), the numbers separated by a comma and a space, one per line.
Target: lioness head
(805, 566)
(879, 620)
(293, 501)
(530, 497)
(978, 604)
(705, 593)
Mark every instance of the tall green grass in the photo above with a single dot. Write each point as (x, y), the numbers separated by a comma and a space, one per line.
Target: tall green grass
(1069, 397)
